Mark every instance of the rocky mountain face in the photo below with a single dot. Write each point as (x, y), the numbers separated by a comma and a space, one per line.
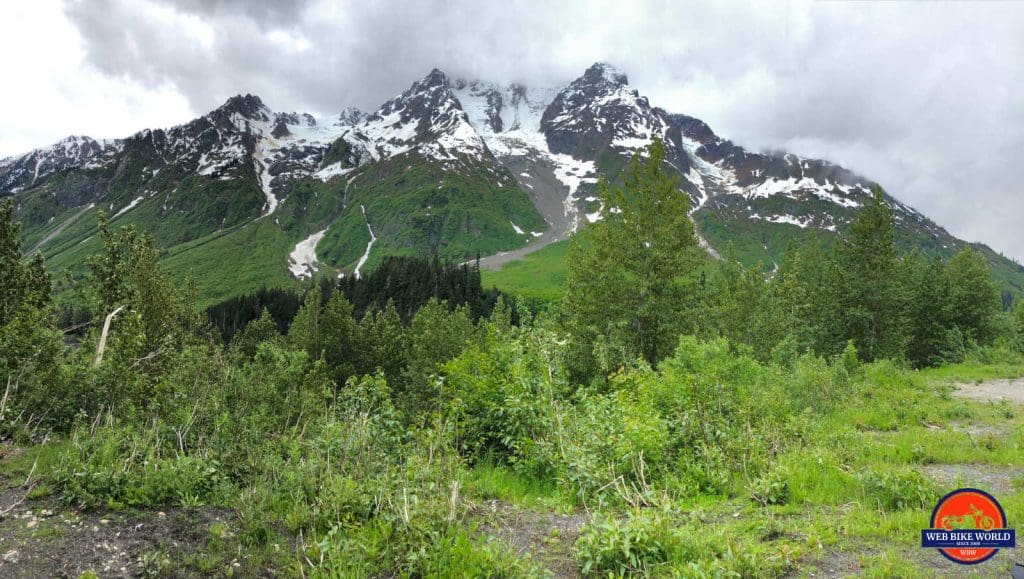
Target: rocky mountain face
(454, 167)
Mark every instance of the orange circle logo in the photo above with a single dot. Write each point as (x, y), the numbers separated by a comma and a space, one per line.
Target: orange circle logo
(968, 526)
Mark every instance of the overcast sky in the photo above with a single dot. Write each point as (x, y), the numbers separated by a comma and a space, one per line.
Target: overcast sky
(925, 97)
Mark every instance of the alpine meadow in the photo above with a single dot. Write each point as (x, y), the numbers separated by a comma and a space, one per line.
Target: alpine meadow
(489, 329)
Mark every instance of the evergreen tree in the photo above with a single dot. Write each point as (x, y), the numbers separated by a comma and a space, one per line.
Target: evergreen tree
(127, 275)
(21, 284)
(262, 329)
(1018, 322)
(931, 309)
(385, 343)
(632, 286)
(863, 277)
(735, 299)
(305, 331)
(31, 348)
(799, 285)
(435, 337)
(975, 296)
(340, 338)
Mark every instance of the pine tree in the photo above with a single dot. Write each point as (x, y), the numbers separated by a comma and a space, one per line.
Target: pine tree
(340, 338)
(21, 284)
(931, 309)
(975, 296)
(869, 299)
(386, 343)
(262, 329)
(305, 331)
(800, 287)
(631, 285)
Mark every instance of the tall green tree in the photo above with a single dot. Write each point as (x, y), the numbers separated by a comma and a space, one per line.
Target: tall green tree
(631, 284)
(306, 332)
(127, 276)
(32, 373)
(385, 343)
(930, 312)
(436, 335)
(869, 298)
(800, 285)
(22, 284)
(975, 296)
(340, 338)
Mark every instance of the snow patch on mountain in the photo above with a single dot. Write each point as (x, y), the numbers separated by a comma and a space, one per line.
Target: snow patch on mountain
(369, 246)
(302, 260)
(128, 207)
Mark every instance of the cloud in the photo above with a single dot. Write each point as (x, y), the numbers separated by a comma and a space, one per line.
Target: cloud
(924, 97)
(51, 91)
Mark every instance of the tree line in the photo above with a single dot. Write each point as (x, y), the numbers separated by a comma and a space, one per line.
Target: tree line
(636, 283)
(407, 283)
(642, 280)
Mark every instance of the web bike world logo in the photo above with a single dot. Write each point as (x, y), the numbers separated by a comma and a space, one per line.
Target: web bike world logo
(968, 526)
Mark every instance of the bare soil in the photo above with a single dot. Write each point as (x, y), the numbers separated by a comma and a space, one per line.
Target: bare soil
(994, 479)
(545, 537)
(1011, 391)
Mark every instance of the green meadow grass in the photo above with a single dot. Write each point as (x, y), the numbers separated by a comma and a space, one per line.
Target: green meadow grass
(539, 275)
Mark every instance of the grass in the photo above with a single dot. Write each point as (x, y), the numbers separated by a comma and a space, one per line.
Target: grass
(539, 275)
(975, 371)
(489, 481)
(837, 514)
(259, 249)
(421, 207)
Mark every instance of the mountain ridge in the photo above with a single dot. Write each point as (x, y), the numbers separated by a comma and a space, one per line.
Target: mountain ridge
(525, 160)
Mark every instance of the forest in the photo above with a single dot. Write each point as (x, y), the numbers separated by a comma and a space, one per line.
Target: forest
(671, 415)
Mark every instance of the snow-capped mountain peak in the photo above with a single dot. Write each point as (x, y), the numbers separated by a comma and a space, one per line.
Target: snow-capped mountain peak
(602, 73)
(26, 170)
(427, 117)
(559, 135)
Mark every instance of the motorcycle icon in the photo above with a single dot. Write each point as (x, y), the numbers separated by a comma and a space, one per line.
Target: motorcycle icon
(973, 519)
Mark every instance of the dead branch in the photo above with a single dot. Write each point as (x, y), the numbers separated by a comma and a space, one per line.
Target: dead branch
(103, 336)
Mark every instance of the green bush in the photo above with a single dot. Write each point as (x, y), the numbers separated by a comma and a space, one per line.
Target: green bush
(638, 545)
(772, 488)
(895, 490)
(122, 466)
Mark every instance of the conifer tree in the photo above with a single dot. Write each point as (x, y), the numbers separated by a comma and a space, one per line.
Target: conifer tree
(340, 338)
(631, 286)
(262, 329)
(931, 309)
(22, 284)
(305, 331)
(385, 343)
(799, 285)
(869, 300)
(975, 296)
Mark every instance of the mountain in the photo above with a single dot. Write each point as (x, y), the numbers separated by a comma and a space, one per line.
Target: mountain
(450, 167)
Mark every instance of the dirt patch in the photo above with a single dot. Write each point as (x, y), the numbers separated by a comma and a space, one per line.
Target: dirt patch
(46, 539)
(546, 537)
(927, 562)
(834, 564)
(1011, 391)
(982, 430)
(994, 479)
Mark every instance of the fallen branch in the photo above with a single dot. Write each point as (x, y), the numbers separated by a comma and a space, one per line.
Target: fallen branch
(103, 337)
